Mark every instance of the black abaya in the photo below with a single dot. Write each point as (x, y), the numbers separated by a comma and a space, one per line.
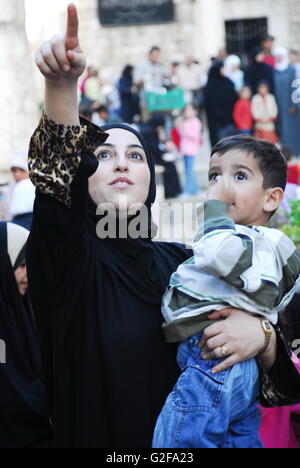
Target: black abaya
(220, 98)
(24, 417)
(259, 72)
(107, 366)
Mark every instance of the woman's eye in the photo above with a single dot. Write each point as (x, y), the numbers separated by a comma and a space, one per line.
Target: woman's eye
(241, 176)
(213, 177)
(136, 156)
(104, 155)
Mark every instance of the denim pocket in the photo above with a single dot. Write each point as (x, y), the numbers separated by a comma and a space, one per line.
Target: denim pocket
(197, 389)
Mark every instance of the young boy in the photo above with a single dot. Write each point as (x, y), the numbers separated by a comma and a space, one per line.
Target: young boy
(237, 263)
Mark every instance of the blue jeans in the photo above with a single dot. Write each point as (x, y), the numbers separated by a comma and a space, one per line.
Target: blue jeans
(191, 186)
(210, 411)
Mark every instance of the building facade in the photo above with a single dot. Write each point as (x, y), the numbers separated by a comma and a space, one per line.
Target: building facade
(200, 28)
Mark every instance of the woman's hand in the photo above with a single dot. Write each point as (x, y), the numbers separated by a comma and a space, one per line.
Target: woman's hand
(243, 338)
(61, 60)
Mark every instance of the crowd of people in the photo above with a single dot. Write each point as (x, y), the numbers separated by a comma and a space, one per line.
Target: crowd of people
(231, 97)
(88, 365)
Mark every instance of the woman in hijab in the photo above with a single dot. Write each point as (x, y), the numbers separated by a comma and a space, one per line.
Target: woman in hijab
(233, 71)
(128, 96)
(24, 417)
(97, 298)
(259, 72)
(220, 99)
(289, 112)
(155, 135)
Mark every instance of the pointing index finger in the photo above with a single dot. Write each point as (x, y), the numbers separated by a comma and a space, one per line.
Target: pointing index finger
(72, 40)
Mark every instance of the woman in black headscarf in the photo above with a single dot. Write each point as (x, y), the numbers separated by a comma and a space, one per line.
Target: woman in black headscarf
(128, 96)
(153, 132)
(259, 72)
(24, 417)
(97, 299)
(220, 98)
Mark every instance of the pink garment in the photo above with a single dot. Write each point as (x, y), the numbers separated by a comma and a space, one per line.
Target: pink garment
(82, 85)
(281, 426)
(190, 136)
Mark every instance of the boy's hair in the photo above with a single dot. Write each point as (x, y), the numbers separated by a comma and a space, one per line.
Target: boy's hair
(272, 162)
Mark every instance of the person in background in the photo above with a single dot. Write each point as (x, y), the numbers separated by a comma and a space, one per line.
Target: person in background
(102, 116)
(259, 71)
(289, 112)
(293, 168)
(192, 79)
(19, 198)
(25, 418)
(295, 61)
(149, 77)
(233, 71)
(267, 44)
(220, 98)
(159, 144)
(292, 186)
(90, 70)
(265, 113)
(242, 113)
(128, 95)
(92, 87)
(189, 129)
(222, 54)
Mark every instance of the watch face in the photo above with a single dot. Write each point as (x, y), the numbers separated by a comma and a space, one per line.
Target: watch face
(267, 326)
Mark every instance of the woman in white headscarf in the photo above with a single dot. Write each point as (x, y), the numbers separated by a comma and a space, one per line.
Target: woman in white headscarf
(289, 112)
(233, 71)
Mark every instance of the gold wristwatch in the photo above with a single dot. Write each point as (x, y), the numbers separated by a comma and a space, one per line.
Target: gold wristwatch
(268, 331)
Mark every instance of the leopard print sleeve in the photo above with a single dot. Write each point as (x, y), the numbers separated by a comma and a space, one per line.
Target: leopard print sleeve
(55, 155)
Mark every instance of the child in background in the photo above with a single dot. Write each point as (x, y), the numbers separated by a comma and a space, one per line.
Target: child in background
(189, 130)
(265, 113)
(242, 114)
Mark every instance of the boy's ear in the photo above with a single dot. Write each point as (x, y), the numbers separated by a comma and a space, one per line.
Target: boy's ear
(273, 199)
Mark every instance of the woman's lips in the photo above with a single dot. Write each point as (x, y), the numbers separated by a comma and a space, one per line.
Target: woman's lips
(121, 182)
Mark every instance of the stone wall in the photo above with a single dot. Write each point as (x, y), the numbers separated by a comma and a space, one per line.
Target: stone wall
(294, 15)
(17, 97)
(114, 47)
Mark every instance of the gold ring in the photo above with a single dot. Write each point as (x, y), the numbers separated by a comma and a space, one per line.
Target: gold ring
(224, 351)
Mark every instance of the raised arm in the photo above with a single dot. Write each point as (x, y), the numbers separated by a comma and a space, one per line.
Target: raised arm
(217, 238)
(61, 61)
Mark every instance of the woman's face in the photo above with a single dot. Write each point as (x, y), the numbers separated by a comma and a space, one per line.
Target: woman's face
(21, 278)
(123, 175)
(260, 57)
(279, 58)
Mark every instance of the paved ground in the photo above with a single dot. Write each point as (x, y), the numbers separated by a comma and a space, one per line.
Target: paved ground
(177, 219)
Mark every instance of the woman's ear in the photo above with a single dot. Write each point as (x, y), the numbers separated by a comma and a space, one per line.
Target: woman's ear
(273, 200)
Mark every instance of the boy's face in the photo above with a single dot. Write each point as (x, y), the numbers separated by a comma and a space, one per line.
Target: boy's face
(241, 173)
